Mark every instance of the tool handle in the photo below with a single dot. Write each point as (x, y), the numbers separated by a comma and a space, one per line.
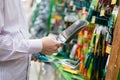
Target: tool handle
(40, 57)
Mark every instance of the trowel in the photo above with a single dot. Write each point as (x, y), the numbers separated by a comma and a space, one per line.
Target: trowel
(66, 36)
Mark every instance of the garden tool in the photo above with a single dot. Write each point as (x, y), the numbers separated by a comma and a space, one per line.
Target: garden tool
(66, 36)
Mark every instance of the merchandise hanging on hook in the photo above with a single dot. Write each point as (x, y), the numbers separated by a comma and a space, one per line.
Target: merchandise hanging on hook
(96, 58)
(95, 17)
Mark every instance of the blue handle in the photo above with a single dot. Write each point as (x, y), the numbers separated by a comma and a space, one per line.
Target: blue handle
(40, 57)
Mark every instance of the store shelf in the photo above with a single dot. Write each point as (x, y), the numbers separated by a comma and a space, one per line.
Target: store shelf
(63, 14)
(66, 75)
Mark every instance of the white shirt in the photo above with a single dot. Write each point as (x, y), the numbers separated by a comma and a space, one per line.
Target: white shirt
(15, 47)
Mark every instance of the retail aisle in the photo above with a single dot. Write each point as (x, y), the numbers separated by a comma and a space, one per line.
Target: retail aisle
(38, 71)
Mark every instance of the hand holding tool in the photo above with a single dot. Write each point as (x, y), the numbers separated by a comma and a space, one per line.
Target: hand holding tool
(66, 36)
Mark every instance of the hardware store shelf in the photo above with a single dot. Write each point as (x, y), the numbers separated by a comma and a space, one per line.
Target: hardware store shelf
(66, 75)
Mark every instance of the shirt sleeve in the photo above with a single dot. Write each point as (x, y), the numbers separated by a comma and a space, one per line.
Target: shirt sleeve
(10, 47)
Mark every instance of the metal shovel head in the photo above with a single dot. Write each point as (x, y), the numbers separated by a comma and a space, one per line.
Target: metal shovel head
(72, 30)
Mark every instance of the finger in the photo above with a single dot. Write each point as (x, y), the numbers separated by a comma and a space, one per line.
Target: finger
(48, 52)
(59, 44)
(52, 51)
(55, 51)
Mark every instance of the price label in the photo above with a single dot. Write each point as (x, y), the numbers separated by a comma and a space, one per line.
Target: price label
(71, 3)
(52, 20)
(74, 8)
(93, 19)
(108, 49)
(102, 12)
(84, 9)
(113, 1)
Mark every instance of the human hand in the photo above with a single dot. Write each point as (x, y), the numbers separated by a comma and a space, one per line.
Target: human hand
(50, 45)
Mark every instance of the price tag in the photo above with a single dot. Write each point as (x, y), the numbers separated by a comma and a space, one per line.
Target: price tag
(74, 8)
(108, 49)
(65, 10)
(84, 9)
(113, 1)
(102, 12)
(52, 20)
(93, 19)
(71, 3)
(65, 18)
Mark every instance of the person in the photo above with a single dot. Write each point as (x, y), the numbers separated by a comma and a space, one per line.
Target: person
(15, 46)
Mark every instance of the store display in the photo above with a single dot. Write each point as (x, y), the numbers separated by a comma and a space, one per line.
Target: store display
(86, 28)
(71, 64)
(39, 19)
(72, 52)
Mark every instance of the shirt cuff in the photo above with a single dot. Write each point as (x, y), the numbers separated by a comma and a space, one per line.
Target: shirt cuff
(35, 45)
